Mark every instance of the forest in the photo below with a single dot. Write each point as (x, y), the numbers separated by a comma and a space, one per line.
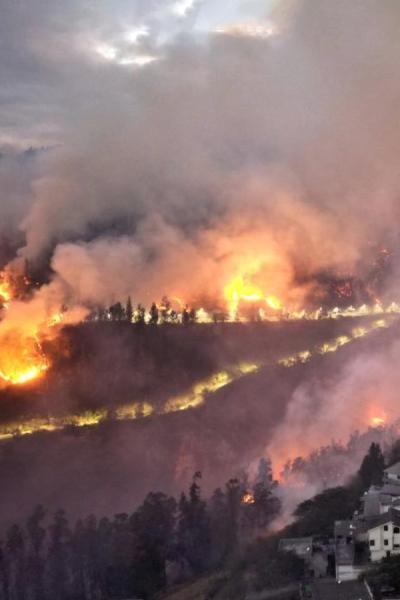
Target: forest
(167, 541)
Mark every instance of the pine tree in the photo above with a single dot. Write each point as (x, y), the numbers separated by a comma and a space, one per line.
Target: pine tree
(15, 546)
(129, 310)
(59, 557)
(36, 559)
(154, 315)
(194, 527)
(372, 466)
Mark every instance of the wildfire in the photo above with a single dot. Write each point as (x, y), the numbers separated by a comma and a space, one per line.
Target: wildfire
(19, 377)
(377, 421)
(5, 293)
(22, 329)
(241, 289)
(248, 498)
(192, 398)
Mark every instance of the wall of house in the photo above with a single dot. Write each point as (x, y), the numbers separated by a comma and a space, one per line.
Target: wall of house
(392, 478)
(383, 539)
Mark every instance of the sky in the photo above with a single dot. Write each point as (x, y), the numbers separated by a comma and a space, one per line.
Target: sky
(55, 54)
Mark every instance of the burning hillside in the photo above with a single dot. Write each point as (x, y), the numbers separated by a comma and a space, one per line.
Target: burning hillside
(235, 417)
(33, 316)
(85, 387)
(205, 227)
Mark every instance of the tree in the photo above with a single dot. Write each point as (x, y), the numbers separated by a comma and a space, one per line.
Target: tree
(385, 575)
(117, 312)
(394, 454)
(317, 515)
(154, 314)
(185, 316)
(4, 580)
(264, 473)
(194, 527)
(59, 557)
(120, 579)
(372, 466)
(140, 314)
(15, 546)
(153, 527)
(219, 528)
(165, 309)
(129, 310)
(234, 494)
(36, 559)
(266, 505)
(88, 564)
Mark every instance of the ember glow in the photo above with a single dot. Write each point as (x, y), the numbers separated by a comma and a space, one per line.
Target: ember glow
(378, 418)
(248, 498)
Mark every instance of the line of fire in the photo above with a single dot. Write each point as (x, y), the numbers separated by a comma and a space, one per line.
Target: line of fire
(30, 347)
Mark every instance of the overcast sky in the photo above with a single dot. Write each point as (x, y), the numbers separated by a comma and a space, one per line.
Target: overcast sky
(55, 53)
(240, 129)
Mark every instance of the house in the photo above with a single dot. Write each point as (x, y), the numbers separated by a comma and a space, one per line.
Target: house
(384, 536)
(391, 475)
(380, 499)
(377, 501)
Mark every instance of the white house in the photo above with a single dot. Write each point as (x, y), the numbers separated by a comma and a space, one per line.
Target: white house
(380, 499)
(392, 474)
(384, 536)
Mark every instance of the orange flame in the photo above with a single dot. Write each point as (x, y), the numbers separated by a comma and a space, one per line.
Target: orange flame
(248, 498)
(378, 421)
(241, 289)
(21, 355)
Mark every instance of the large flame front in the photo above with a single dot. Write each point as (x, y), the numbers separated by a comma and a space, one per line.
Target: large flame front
(21, 355)
(242, 289)
(21, 358)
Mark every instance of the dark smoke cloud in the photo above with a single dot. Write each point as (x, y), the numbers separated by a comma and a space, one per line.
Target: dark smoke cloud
(295, 131)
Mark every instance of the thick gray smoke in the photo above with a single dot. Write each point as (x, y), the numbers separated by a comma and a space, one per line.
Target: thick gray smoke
(281, 148)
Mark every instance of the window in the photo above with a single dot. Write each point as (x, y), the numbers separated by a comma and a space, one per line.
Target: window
(396, 530)
(396, 545)
(386, 542)
(386, 528)
(372, 542)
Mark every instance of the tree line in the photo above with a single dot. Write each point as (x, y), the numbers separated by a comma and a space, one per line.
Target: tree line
(156, 314)
(135, 555)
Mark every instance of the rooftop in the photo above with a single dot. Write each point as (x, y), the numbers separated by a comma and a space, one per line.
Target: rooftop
(394, 469)
(392, 516)
(324, 589)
